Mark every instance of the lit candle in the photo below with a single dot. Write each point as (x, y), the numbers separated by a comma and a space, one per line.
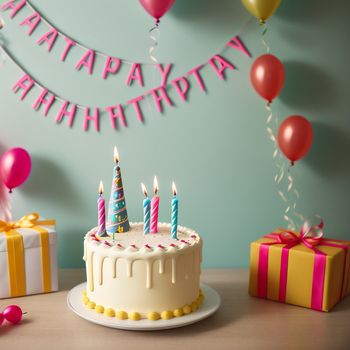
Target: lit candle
(146, 211)
(174, 212)
(155, 207)
(118, 221)
(101, 213)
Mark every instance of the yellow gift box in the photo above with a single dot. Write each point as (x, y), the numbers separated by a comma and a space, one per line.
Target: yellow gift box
(300, 270)
(28, 259)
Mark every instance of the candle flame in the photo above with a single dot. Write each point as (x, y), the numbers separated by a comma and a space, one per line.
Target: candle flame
(173, 187)
(100, 188)
(144, 189)
(116, 155)
(155, 185)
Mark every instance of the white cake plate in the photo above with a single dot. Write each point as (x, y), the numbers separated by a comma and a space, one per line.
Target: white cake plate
(211, 304)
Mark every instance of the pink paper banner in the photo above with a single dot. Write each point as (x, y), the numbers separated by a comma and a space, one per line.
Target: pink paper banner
(112, 65)
(161, 96)
(67, 111)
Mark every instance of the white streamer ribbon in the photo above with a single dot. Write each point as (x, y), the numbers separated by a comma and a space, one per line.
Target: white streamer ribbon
(281, 174)
(279, 162)
(154, 34)
(263, 33)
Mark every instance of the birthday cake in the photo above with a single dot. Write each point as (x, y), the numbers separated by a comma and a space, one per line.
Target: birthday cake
(145, 270)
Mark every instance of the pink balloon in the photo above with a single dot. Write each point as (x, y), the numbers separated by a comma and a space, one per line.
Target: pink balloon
(15, 166)
(13, 314)
(157, 8)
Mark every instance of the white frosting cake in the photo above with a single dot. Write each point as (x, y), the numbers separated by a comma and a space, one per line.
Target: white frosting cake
(143, 276)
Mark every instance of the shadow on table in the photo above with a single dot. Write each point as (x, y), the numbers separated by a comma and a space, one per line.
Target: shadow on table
(230, 311)
(238, 305)
(343, 306)
(8, 327)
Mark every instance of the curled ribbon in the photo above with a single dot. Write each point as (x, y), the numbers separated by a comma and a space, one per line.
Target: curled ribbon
(279, 162)
(263, 33)
(27, 221)
(310, 235)
(290, 215)
(154, 34)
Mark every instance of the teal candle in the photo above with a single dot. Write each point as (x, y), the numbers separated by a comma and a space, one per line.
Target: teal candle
(174, 212)
(146, 211)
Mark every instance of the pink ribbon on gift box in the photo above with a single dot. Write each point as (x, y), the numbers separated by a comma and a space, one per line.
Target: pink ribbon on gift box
(310, 236)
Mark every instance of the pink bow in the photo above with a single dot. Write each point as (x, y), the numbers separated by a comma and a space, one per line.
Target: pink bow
(310, 235)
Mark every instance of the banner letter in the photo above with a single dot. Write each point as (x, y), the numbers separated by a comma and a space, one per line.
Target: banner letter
(87, 61)
(159, 97)
(49, 38)
(111, 67)
(223, 65)
(236, 43)
(164, 72)
(32, 22)
(135, 74)
(197, 75)
(95, 118)
(69, 44)
(63, 112)
(42, 100)
(135, 102)
(14, 8)
(114, 115)
(25, 84)
(182, 91)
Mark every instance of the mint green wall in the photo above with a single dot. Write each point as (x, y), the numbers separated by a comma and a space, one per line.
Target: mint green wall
(215, 146)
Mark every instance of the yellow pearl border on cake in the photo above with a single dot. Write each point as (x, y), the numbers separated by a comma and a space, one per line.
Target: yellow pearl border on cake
(152, 316)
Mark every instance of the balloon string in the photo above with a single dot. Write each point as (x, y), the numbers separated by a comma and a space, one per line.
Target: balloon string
(8, 210)
(7, 207)
(154, 34)
(263, 34)
(279, 163)
(295, 192)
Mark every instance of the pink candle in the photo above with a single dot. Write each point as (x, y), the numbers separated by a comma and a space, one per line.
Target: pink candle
(101, 212)
(154, 208)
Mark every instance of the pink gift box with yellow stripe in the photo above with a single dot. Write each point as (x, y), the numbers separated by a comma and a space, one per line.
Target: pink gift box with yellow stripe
(28, 259)
(293, 268)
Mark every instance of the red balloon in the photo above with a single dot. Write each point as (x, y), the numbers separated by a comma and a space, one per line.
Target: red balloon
(15, 167)
(295, 137)
(267, 76)
(157, 8)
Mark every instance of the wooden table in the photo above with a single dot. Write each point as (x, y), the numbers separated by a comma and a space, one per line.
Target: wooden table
(242, 322)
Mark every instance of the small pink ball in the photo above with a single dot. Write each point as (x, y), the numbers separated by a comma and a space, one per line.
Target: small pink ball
(13, 314)
(1, 318)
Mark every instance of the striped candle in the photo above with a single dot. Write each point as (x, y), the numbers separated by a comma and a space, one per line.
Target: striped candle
(155, 208)
(146, 211)
(101, 212)
(174, 212)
